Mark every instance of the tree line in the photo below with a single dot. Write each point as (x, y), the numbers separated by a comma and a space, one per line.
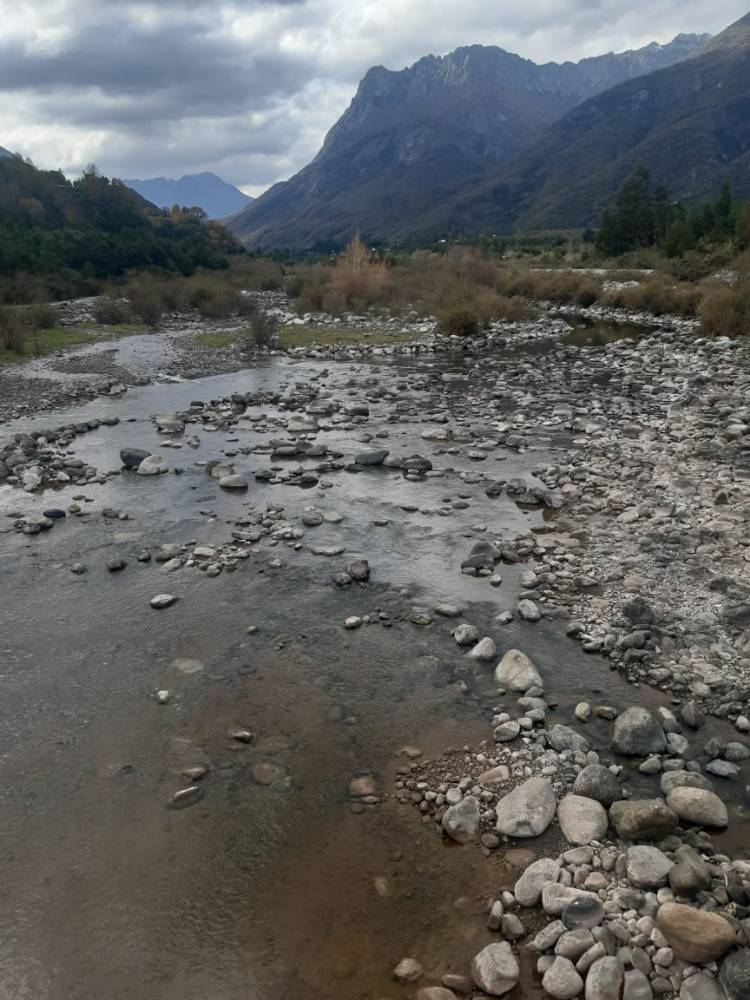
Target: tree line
(94, 228)
(644, 216)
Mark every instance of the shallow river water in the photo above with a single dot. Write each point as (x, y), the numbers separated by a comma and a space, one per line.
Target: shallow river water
(255, 892)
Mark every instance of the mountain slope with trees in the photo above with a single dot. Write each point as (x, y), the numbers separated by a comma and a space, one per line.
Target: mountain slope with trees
(411, 139)
(66, 232)
(690, 124)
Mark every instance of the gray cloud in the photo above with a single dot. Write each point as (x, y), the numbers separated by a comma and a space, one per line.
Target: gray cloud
(250, 88)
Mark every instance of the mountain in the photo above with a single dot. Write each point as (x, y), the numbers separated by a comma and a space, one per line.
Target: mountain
(411, 139)
(4, 153)
(690, 124)
(216, 197)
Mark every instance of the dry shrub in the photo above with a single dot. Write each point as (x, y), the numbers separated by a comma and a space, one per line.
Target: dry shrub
(146, 303)
(110, 311)
(358, 279)
(15, 331)
(726, 311)
(459, 321)
(656, 296)
(262, 330)
(43, 316)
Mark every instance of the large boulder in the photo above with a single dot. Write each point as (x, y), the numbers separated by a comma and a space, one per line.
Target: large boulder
(516, 672)
(529, 887)
(495, 969)
(527, 811)
(597, 782)
(647, 867)
(695, 935)
(642, 819)
(699, 806)
(637, 733)
(581, 819)
(152, 465)
(461, 822)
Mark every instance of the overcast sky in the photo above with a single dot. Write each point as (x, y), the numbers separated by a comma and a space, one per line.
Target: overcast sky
(249, 89)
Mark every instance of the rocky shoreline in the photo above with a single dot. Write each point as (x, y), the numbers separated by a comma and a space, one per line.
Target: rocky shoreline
(639, 555)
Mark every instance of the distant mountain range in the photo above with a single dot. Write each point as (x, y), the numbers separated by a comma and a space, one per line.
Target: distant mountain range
(414, 146)
(216, 197)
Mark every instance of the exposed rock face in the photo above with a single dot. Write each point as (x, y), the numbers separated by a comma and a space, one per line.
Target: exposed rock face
(527, 811)
(416, 135)
(695, 935)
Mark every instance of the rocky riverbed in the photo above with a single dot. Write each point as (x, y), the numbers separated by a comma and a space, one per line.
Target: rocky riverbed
(383, 672)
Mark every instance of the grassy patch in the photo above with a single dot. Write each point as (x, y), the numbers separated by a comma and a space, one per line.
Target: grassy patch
(215, 339)
(308, 336)
(47, 341)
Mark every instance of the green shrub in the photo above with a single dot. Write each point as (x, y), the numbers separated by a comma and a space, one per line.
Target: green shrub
(261, 332)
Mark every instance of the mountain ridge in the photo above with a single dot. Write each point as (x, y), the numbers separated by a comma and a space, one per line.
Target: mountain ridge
(415, 137)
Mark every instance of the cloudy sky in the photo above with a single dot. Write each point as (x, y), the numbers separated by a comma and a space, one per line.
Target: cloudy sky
(249, 89)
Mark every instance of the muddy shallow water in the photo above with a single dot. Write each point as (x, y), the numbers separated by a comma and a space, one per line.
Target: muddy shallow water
(255, 892)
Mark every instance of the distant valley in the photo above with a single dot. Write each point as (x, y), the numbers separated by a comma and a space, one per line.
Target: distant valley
(215, 196)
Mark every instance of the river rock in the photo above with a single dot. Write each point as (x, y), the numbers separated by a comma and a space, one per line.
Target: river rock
(647, 867)
(642, 819)
(461, 822)
(495, 969)
(131, 458)
(582, 819)
(562, 738)
(408, 970)
(370, 458)
(696, 805)
(690, 874)
(555, 897)
(529, 887)
(695, 935)
(636, 986)
(163, 601)
(169, 423)
(233, 482)
(687, 779)
(435, 993)
(637, 733)
(484, 650)
(527, 811)
(604, 979)
(561, 980)
(517, 672)
(597, 782)
(465, 634)
(734, 975)
(152, 465)
(701, 987)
